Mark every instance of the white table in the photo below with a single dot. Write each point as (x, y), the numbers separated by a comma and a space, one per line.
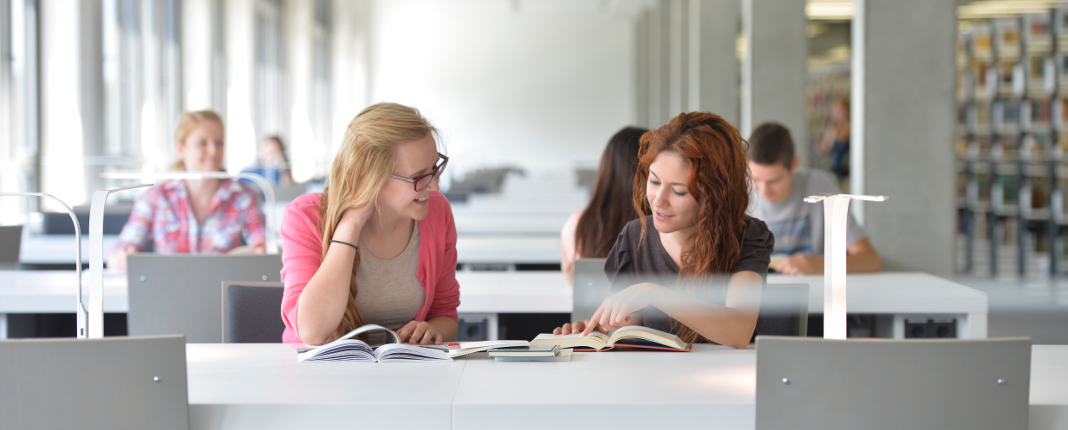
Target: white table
(263, 387)
(486, 294)
(508, 249)
(904, 295)
(58, 248)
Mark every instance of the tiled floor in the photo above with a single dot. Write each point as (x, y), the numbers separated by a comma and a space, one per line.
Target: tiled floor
(1033, 307)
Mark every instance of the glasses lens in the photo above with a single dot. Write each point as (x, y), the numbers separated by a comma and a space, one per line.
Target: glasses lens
(423, 181)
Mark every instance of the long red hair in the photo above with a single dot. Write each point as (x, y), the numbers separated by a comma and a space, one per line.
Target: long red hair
(719, 181)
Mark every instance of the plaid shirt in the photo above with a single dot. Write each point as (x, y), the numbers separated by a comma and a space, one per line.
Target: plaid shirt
(164, 214)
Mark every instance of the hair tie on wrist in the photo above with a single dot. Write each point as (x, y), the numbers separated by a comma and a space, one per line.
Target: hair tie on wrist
(346, 243)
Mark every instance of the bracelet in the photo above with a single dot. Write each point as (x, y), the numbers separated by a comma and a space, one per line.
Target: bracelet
(346, 243)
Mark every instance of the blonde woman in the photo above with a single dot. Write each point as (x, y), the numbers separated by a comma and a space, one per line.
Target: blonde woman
(378, 245)
(194, 216)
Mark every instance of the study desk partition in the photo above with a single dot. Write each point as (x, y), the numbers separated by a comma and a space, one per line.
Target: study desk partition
(58, 248)
(892, 295)
(261, 386)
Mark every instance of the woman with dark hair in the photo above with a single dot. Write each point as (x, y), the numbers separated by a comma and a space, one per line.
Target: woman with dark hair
(590, 233)
(700, 270)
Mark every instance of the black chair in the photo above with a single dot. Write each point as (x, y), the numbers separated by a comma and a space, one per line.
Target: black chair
(252, 312)
(783, 310)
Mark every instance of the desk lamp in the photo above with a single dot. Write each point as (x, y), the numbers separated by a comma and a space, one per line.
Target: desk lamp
(79, 304)
(835, 218)
(96, 259)
(268, 192)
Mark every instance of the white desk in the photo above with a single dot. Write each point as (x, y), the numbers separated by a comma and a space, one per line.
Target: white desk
(900, 295)
(235, 386)
(903, 295)
(508, 249)
(58, 248)
(261, 386)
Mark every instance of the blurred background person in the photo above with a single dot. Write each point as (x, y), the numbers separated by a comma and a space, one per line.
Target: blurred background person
(271, 162)
(194, 216)
(590, 233)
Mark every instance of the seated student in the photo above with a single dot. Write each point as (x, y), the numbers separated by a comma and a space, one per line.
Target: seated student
(798, 226)
(590, 233)
(693, 176)
(194, 216)
(271, 162)
(378, 245)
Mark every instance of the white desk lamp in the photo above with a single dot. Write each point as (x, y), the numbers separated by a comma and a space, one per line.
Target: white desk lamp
(835, 219)
(96, 259)
(268, 192)
(79, 304)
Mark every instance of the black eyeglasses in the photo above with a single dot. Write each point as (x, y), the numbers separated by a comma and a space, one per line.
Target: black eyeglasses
(423, 181)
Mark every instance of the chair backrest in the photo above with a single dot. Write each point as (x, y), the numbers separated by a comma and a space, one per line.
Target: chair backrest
(109, 383)
(179, 294)
(591, 287)
(251, 312)
(10, 244)
(811, 383)
(784, 310)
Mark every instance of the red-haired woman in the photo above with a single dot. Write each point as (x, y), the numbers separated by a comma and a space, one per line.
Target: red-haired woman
(700, 270)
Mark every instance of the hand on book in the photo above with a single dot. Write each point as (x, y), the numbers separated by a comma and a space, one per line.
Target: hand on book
(616, 310)
(420, 332)
(578, 326)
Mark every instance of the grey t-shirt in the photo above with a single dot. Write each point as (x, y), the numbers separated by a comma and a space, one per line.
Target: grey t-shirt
(798, 226)
(633, 261)
(390, 293)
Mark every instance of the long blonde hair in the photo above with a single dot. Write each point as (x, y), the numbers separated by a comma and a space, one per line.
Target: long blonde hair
(189, 122)
(358, 173)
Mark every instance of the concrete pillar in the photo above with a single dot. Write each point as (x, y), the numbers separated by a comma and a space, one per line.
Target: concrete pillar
(903, 111)
(773, 71)
(713, 63)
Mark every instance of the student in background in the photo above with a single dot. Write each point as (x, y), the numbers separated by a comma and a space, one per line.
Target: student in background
(193, 216)
(835, 140)
(696, 267)
(590, 233)
(378, 245)
(798, 226)
(271, 162)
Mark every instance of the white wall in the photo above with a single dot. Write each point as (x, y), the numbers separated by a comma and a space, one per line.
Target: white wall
(540, 84)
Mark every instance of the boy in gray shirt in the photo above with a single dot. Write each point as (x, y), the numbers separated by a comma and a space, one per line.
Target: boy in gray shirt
(778, 199)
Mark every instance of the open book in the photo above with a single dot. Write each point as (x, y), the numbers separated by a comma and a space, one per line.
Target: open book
(458, 349)
(634, 336)
(380, 344)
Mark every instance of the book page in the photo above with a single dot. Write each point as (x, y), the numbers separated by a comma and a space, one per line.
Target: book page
(338, 350)
(595, 340)
(406, 352)
(646, 333)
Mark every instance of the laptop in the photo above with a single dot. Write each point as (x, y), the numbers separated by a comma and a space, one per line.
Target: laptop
(179, 294)
(811, 383)
(591, 287)
(10, 244)
(110, 383)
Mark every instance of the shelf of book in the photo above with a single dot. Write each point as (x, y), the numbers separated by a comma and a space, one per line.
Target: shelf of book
(1012, 135)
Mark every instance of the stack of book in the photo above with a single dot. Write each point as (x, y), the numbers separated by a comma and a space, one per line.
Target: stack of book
(531, 353)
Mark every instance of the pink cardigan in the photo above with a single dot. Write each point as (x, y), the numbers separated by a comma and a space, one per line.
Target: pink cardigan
(302, 254)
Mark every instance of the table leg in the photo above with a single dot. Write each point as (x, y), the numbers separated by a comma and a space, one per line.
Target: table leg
(973, 326)
(3, 326)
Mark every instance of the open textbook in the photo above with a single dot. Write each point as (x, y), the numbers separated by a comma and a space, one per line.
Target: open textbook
(633, 336)
(379, 344)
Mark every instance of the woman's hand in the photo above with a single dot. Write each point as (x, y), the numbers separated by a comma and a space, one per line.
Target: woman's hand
(578, 326)
(420, 332)
(616, 310)
(351, 224)
(117, 259)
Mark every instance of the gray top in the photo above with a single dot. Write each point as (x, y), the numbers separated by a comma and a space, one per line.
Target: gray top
(630, 263)
(389, 292)
(798, 226)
